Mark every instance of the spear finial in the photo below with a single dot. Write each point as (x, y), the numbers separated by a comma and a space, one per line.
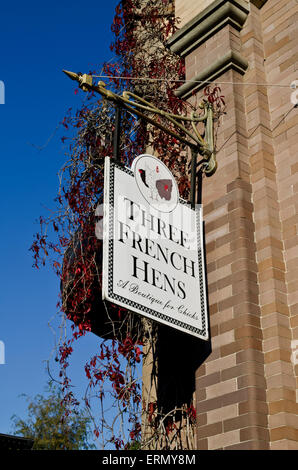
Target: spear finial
(85, 80)
(72, 75)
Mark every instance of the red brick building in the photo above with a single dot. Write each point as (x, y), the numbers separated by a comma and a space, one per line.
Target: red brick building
(246, 390)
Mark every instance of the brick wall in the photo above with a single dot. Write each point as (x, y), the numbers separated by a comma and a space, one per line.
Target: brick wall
(246, 389)
(280, 44)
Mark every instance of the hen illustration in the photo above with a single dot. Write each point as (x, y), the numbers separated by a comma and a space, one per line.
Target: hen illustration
(143, 177)
(159, 188)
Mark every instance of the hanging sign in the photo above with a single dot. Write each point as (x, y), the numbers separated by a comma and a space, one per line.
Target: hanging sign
(153, 257)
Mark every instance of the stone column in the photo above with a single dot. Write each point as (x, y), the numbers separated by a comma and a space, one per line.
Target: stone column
(230, 385)
(276, 202)
(246, 389)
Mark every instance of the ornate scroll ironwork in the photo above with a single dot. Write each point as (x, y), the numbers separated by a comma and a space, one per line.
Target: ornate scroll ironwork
(204, 146)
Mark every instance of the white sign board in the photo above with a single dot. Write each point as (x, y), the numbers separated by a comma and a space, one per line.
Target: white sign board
(153, 261)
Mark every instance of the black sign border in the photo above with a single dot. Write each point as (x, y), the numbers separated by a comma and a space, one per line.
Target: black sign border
(153, 313)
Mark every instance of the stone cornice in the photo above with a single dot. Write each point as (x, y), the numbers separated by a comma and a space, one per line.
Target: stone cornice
(231, 60)
(207, 23)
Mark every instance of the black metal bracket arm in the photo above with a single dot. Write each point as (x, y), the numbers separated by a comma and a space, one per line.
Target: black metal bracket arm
(116, 135)
(203, 146)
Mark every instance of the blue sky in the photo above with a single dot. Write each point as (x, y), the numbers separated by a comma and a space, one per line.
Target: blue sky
(37, 40)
